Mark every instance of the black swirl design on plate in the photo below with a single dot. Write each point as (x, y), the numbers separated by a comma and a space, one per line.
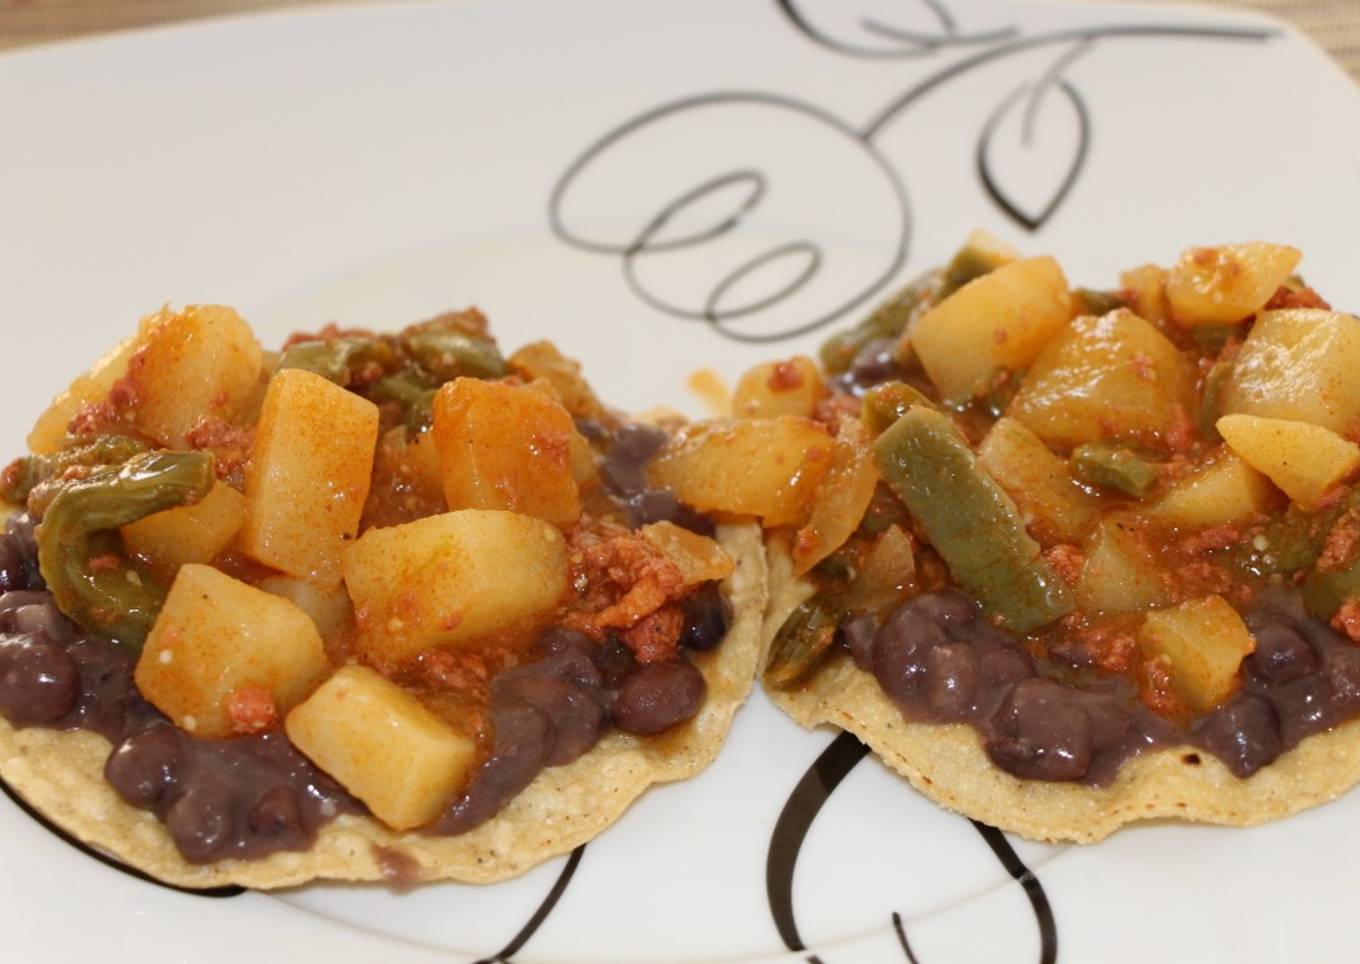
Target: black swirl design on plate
(789, 297)
(38, 817)
(827, 772)
(517, 943)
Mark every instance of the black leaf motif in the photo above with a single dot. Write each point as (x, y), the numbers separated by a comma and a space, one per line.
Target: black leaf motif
(1033, 97)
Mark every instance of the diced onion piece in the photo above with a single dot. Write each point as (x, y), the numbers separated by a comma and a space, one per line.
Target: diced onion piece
(216, 636)
(699, 558)
(1056, 509)
(841, 498)
(383, 746)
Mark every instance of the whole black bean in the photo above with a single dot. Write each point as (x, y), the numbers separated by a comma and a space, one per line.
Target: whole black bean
(661, 505)
(46, 620)
(145, 768)
(1303, 706)
(658, 696)
(277, 815)
(593, 430)
(1244, 733)
(522, 735)
(614, 661)
(951, 680)
(875, 362)
(576, 712)
(571, 656)
(901, 647)
(1005, 665)
(858, 632)
(19, 556)
(623, 467)
(39, 682)
(1282, 654)
(202, 822)
(1043, 733)
(707, 615)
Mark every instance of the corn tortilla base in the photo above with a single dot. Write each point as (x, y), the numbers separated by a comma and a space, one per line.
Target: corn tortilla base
(948, 763)
(61, 775)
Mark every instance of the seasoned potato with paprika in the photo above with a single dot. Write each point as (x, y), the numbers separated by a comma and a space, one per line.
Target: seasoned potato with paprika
(1001, 320)
(1055, 508)
(505, 447)
(541, 359)
(1227, 490)
(792, 387)
(1204, 641)
(841, 498)
(1299, 364)
(309, 475)
(383, 746)
(225, 657)
(1113, 378)
(1228, 283)
(452, 577)
(1120, 574)
(89, 388)
(1304, 460)
(766, 467)
(192, 533)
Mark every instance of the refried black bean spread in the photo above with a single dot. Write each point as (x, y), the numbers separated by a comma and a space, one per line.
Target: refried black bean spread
(941, 661)
(250, 796)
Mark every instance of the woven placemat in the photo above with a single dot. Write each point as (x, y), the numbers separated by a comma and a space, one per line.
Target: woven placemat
(1333, 24)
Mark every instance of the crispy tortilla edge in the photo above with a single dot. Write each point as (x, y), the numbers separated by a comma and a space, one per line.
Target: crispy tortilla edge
(949, 765)
(60, 774)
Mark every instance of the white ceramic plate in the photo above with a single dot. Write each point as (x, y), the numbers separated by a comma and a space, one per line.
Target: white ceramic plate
(658, 186)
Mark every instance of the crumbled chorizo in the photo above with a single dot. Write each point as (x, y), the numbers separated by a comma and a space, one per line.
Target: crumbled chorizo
(252, 709)
(620, 578)
(1305, 297)
(1347, 618)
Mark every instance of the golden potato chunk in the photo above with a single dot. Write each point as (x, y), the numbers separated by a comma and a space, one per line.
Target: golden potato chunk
(1204, 641)
(1113, 378)
(192, 533)
(1299, 364)
(792, 387)
(1229, 283)
(766, 467)
(309, 475)
(452, 577)
(1120, 574)
(505, 447)
(1001, 320)
(541, 359)
(328, 606)
(383, 746)
(1054, 507)
(1304, 460)
(202, 362)
(699, 558)
(216, 639)
(1227, 490)
(87, 389)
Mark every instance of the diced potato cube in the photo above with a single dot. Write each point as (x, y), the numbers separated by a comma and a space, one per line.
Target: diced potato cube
(792, 387)
(541, 359)
(1114, 378)
(1147, 284)
(1299, 364)
(217, 637)
(841, 499)
(328, 606)
(191, 533)
(699, 558)
(91, 387)
(202, 362)
(766, 467)
(584, 468)
(1205, 641)
(1001, 320)
(309, 475)
(1055, 508)
(452, 577)
(1227, 490)
(1227, 284)
(1304, 460)
(383, 746)
(1120, 574)
(505, 447)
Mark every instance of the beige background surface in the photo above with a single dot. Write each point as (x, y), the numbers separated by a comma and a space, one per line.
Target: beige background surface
(1333, 24)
